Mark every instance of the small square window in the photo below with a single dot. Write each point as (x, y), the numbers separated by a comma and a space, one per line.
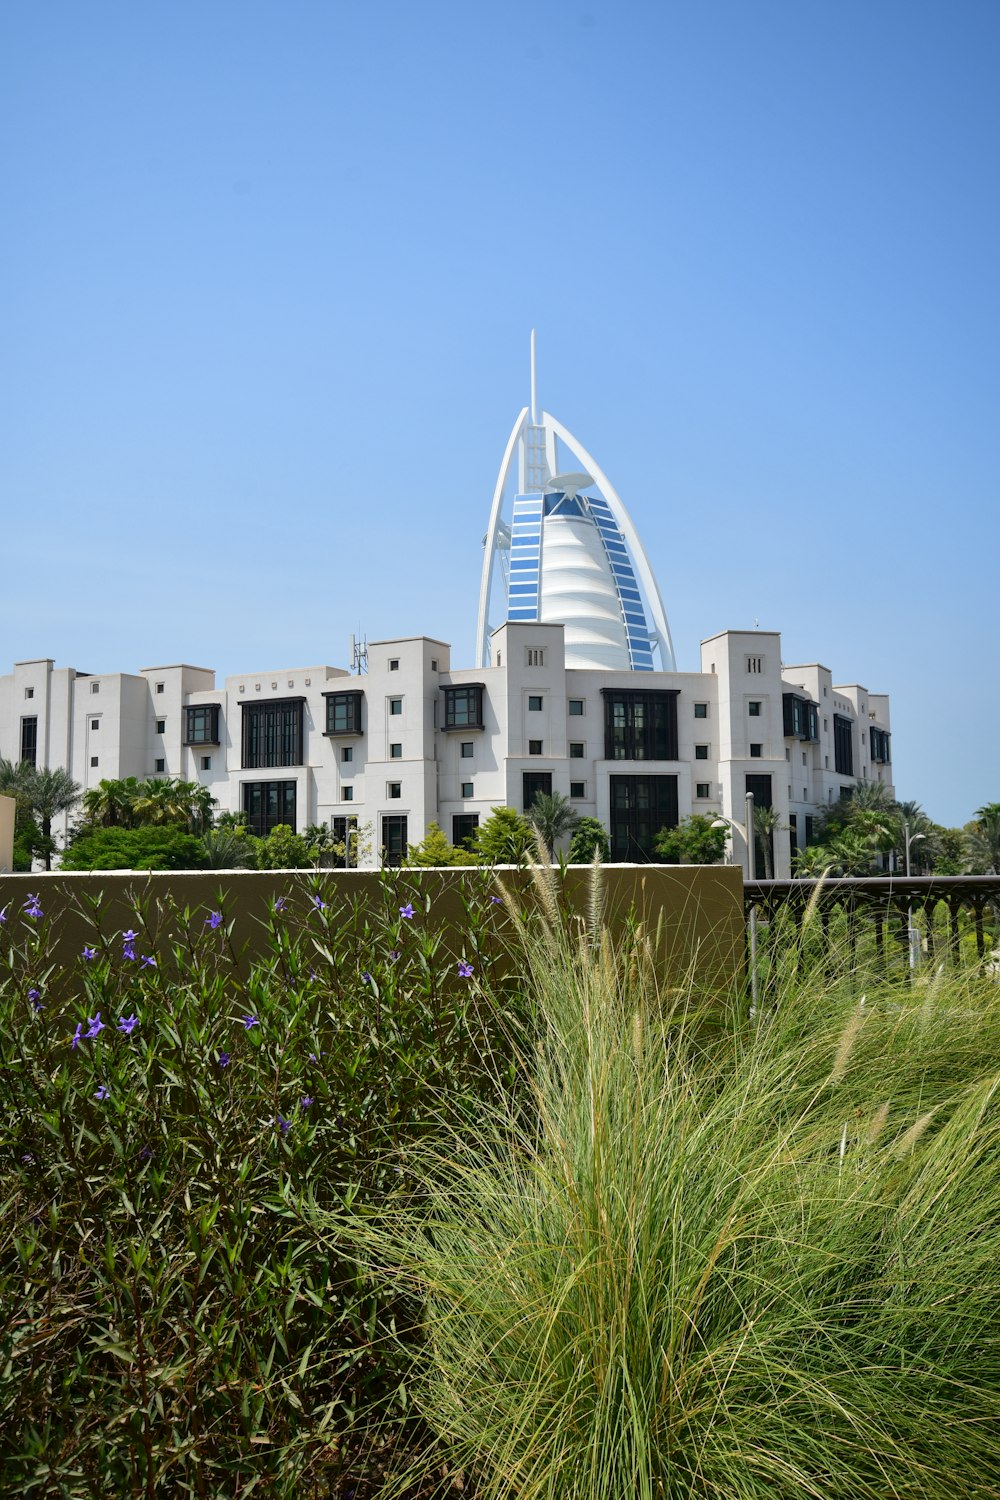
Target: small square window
(466, 788)
(206, 762)
(701, 710)
(161, 726)
(95, 724)
(95, 687)
(395, 789)
(701, 752)
(93, 760)
(703, 789)
(576, 750)
(434, 665)
(160, 765)
(395, 705)
(467, 749)
(578, 789)
(534, 747)
(576, 708)
(29, 692)
(347, 752)
(394, 664)
(159, 687)
(753, 709)
(347, 794)
(396, 751)
(756, 751)
(534, 703)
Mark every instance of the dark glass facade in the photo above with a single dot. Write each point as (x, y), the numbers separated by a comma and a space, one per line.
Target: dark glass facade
(640, 725)
(801, 717)
(29, 739)
(533, 782)
(343, 713)
(394, 837)
(272, 733)
(268, 803)
(640, 807)
(843, 746)
(201, 724)
(463, 706)
(879, 743)
(463, 826)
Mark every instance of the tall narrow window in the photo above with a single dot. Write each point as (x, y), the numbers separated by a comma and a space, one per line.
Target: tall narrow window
(272, 732)
(29, 739)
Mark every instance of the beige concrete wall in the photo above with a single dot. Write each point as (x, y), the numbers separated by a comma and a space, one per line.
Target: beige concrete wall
(8, 807)
(694, 912)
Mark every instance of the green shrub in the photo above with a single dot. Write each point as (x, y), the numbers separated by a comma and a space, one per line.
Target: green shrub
(145, 848)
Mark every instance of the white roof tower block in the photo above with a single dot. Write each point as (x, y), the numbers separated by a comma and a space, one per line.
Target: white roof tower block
(561, 548)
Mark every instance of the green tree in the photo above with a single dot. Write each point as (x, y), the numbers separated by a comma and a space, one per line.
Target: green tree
(228, 849)
(135, 849)
(694, 841)
(281, 850)
(552, 816)
(111, 804)
(161, 800)
(50, 792)
(983, 839)
(434, 851)
(504, 839)
(15, 778)
(766, 823)
(590, 837)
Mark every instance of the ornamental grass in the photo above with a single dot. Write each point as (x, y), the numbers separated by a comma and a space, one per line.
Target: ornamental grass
(727, 1257)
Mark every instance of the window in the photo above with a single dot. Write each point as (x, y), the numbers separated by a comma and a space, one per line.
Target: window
(534, 747)
(703, 789)
(534, 703)
(29, 692)
(158, 765)
(578, 789)
(760, 785)
(272, 732)
(95, 724)
(393, 838)
(395, 706)
(434, 665)
(345, 835)
(467, 789)
(347, 794)
(268, 803)
(805, 758)
(879, 739)
(843, 749)
(394, 789)
(93, 760)
(29, 739)
(640, 807)
(463, 828)
(753, 709)
(533, 782)
(201, 724)
(346, 753)
(701, 752)
(576, 750)
(95, 687)
(343, 713)
(755, 664)
(463, 706)
(701, 710)
(159, 687)
(396, 751)
(576, 708)
(161, 726)
(467, 748)
(801, 717)
(640, 725)
(206, 762)
(535, 656)
(756, 751)
(394, 664)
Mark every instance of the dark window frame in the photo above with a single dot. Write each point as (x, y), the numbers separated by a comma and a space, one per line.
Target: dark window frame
(260, 820)
(640, 807)
(343, 714)
(29, 739)
(843, 745)
(201, 724)
(463, 706)
(640, 724)
(273, 733)
(533, 782)
(463, 827)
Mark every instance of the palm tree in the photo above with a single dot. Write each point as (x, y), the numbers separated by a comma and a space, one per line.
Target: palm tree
(228, 850)
(767, 822)
(812, 861)
(15, 778)
(983, 839)
(111, 804)
(163, 800)
(50, 792)
(552, 815)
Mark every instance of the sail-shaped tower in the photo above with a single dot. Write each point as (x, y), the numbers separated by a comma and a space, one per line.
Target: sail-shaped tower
(561, 549)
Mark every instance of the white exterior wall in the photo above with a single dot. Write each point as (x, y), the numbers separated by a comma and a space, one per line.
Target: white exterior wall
(738, 668)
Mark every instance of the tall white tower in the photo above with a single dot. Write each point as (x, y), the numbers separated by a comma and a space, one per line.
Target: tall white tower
(558, 552)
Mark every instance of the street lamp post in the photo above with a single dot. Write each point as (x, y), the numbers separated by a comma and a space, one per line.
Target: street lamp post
(747, 831)
(912, 935)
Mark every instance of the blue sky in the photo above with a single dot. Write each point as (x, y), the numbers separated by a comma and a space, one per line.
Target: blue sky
(268, 275)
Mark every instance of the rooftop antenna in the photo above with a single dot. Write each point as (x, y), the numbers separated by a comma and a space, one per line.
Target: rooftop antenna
(359, 654)
(534, 402)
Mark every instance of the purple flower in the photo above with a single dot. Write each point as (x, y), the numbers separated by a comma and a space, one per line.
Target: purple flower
(102, 1092)
(465, 971)
(128, 944)
(31, 907)
(3, 913)
(223, 1059)
(249, 1022)
(495, 901)
(305, 1101)
(394, 953)
(319, 905)
(96, 1026)
(279, 903)
(127, 1024)
(77, 1035)
(35, 996)
(214, 920)
(145, 1153)
(147, 962)
(407, 910)
(284, 1125)
(28, 1159)
(365, 977)
(313, 1057)
(89, 953)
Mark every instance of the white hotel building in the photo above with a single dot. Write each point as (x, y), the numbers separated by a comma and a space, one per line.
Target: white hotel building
(575, 693)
